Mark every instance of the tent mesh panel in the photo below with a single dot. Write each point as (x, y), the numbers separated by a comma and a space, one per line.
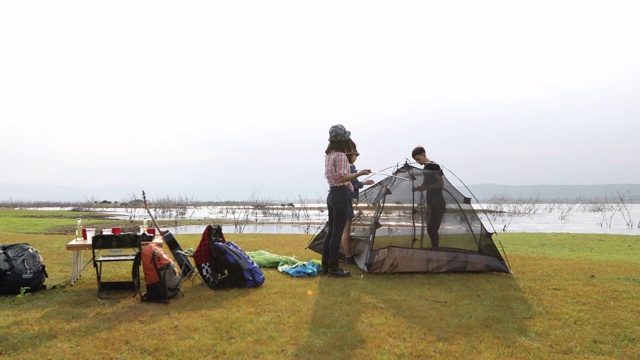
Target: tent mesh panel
(389, 215)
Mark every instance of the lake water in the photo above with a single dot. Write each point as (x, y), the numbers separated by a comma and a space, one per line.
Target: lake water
(307, 219)
(576, 222)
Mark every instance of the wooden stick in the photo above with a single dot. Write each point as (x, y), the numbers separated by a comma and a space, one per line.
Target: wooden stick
(155, 223)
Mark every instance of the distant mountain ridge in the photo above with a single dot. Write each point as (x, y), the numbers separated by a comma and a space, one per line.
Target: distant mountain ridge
(484, 192)
(61, 193)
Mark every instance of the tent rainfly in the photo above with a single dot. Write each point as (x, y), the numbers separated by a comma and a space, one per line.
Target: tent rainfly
(389, 230)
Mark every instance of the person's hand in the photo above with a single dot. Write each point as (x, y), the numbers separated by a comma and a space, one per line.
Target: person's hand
(415, 188)
(368, 182)
(364, 172)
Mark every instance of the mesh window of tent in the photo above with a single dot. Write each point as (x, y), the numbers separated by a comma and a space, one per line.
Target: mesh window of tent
(390, 233)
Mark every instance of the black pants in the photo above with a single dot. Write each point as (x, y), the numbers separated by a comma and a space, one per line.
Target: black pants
(338, 211)
(434, 219)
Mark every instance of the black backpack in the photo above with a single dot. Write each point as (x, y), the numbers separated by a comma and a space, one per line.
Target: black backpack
(21, 268)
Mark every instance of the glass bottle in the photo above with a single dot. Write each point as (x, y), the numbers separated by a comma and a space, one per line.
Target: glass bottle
(143, 227)
(79, 229)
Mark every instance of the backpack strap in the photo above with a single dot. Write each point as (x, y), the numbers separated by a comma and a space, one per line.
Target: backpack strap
(162, 276)
(4, 258)
(155, 266)
(162, 280)
(239, 258)
(135, 273)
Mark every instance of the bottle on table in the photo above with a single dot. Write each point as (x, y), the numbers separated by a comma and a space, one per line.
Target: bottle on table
(79, 229)
(143, 227)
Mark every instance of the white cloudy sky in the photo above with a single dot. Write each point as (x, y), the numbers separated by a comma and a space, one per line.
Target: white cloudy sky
(238, 96)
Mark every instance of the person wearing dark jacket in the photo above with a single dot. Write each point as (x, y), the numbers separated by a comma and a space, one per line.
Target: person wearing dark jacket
(433, 184)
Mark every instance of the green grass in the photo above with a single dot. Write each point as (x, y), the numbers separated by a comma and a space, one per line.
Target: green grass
(64, 222)
(571, 297)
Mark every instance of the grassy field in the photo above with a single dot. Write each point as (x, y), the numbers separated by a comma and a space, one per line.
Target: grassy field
(570, 297)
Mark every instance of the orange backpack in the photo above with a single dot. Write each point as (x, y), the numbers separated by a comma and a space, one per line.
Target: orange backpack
(160, 274)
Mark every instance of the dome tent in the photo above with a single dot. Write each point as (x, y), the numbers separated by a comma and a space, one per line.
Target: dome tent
(389, 230)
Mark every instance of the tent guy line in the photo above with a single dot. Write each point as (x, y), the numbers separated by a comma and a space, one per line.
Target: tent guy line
(379, 173)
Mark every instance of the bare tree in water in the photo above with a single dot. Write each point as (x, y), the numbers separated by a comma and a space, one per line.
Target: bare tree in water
(624, 207)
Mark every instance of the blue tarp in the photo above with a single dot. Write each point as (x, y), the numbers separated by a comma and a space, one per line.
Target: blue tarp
(286, 264)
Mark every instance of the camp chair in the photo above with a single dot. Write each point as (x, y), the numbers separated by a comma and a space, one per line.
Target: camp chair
(120, 248)
(186, 271)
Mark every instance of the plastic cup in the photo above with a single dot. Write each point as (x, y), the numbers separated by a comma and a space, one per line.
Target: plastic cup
(84, 234)
(151, 232)
(106, 232)
(90, 232)
(115, 230)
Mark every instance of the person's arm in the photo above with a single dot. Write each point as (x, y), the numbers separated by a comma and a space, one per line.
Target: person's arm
(349, 177)
(366, 182)
(439, 184)
(343, 166)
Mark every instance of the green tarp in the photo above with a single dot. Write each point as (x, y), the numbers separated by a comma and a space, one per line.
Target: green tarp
(286, 264)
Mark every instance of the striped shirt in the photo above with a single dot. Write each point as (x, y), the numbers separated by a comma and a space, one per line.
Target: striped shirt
(336, 165)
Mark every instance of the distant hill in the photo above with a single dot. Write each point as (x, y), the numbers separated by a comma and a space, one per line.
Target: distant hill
(11, 192)
(484, 192)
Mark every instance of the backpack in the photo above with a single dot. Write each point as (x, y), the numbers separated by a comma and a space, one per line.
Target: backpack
(160, 274)
(223, 264)
(21, 267)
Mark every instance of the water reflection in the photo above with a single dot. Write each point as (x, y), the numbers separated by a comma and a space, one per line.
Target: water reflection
(252, 229)
(579, 222)
(308, 218)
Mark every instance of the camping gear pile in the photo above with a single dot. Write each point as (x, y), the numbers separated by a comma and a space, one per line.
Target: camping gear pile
(220, 263)
(172, 243)
(223, 264)
(389, 230)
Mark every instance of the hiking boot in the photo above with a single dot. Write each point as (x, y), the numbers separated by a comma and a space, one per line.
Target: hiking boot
(336, 271)
(349, 260)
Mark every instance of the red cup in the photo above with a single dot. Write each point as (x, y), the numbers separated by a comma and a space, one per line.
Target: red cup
(151, 232)
(84, 234)
(115, 231)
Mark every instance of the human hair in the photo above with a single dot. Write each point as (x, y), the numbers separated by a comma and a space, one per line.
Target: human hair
(343, 146)
(417, 151)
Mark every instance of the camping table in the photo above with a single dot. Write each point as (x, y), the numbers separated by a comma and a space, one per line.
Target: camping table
(78, 245)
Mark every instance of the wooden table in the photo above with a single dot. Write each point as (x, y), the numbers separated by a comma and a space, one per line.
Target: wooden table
(78, 245)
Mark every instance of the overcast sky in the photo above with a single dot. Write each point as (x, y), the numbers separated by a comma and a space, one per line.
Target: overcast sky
(238, 96)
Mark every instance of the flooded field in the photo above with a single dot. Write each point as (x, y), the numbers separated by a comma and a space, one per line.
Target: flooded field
(307, 218)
